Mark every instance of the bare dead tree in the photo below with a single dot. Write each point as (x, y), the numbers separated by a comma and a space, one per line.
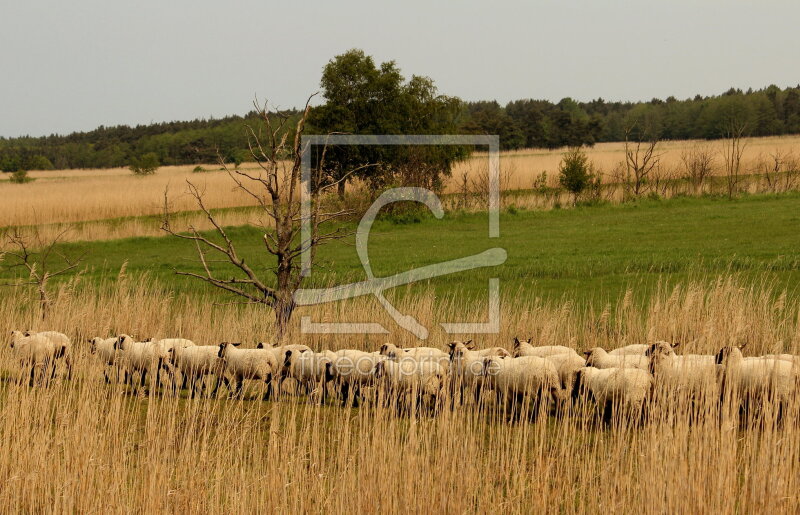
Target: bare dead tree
(276, 189)
(732, 150)
(698, 163)
(36, 256)
(640, 160)
(779, 171)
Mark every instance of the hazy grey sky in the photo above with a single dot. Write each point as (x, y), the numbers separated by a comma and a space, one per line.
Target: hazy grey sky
(74, 65)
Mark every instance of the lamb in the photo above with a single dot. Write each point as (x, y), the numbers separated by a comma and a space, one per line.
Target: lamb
(309, 369)
(104, 349)
(408, 377)
(143, 357)
(526, 348)
(755, 380)
(60, 340)
(34, 352)
(530, 377)
(599, 358)
(353, 370)
(196, 361)
(467, 364)
(257, 364)
(613, 388)
(695, 373)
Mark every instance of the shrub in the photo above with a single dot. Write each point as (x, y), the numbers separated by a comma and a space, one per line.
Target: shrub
(146, 164)
(20, 177)
(575, 172)
(199, 169)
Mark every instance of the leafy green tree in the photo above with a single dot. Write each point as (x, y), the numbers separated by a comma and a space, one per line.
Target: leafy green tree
(575, 172)
(362, 98)
(146, 164)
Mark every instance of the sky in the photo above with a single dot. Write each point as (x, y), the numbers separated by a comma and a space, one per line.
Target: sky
(72, 66)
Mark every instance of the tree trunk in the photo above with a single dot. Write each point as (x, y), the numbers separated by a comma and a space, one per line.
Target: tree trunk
(284, 307)
(340, 189)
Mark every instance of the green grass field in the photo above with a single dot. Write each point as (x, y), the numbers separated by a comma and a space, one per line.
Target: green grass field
(589, 254)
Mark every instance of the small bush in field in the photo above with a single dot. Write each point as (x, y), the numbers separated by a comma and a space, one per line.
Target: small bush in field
(20, 177)
(146, 164)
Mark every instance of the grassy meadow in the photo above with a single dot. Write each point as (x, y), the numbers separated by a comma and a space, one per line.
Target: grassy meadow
(702, 270)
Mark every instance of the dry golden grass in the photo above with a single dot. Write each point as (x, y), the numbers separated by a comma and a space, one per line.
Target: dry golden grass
(519, 169)
(86, 446)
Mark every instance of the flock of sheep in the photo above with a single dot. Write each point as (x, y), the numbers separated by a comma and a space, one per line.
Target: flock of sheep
(541, 376)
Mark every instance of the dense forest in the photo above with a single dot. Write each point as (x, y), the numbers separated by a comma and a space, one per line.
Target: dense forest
(520, 124)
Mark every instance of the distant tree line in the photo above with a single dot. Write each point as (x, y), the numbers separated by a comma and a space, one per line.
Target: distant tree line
(192, 142)
(363, 98)
(541, 124)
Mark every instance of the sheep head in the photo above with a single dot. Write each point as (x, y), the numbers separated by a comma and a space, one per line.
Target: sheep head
(223, 348)
(15, 337)
(123, 342)
(457, 348)
(728, 354)
(520, 344)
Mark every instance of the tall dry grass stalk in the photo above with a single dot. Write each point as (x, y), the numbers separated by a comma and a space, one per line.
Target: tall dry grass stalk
(83, 445)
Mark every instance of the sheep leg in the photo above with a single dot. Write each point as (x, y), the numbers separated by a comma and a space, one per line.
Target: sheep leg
(345, 392)
(33, 374)
(323, 392)
(158, 374)
(68, 363)
(268, 392)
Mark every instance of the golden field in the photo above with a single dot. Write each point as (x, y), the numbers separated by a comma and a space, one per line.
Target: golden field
(62, 198)
(86, 446)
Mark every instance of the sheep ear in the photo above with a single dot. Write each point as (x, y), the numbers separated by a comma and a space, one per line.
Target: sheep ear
(260, 345)
(516, 342)
(469, 344)
(742, 346)
(452, 345)
(236, 344)
(676, 344)
(587, 352)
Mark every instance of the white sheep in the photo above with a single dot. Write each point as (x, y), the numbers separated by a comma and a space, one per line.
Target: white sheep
(63, 347)
(35, 352)
(567, 366)
(143, 357)
(756, 380)
(104, 349)
(467, 367)
(527, 377)
(279, 353)
(599, 358)
(526, 348)
(353, 370)
(693, 373)
(257, 364)
(309, 369)
(625, 389)
(411, 379)
(194, 362)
